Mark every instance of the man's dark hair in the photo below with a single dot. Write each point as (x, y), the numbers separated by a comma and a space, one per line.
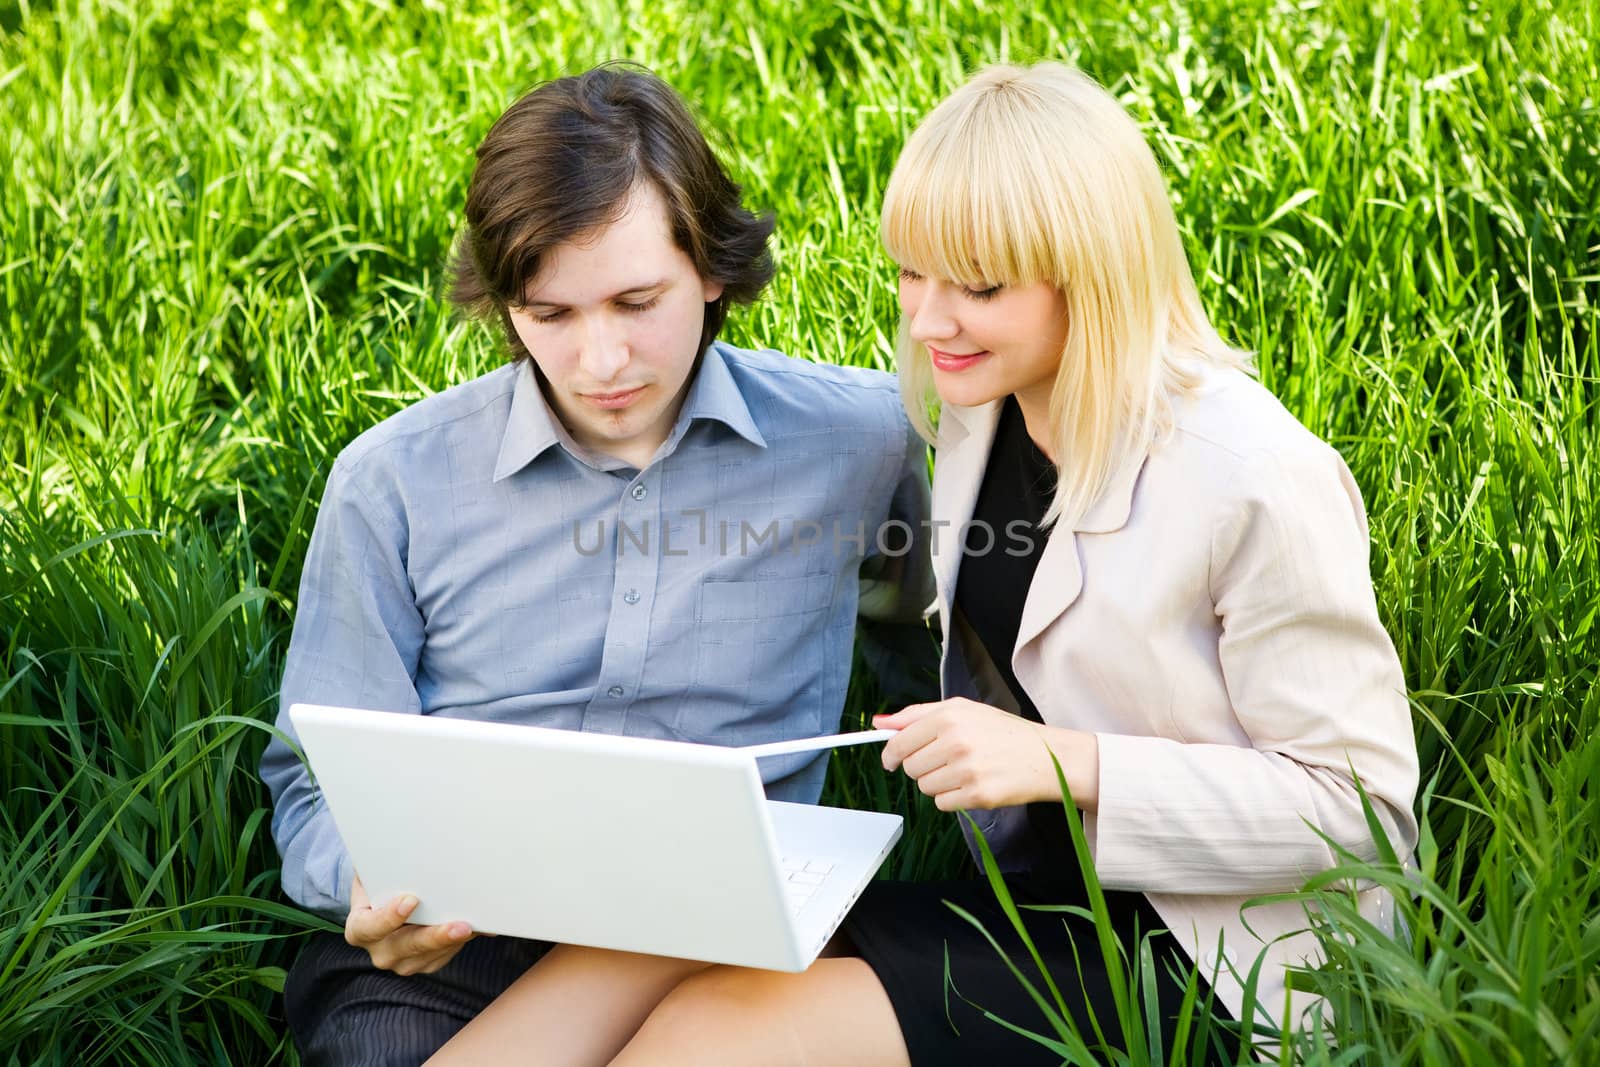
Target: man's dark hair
(560, 163)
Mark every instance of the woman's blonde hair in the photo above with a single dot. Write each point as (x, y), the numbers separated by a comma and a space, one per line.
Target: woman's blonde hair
(1037, 174)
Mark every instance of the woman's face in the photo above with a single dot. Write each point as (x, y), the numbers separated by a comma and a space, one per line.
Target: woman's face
(986, 344)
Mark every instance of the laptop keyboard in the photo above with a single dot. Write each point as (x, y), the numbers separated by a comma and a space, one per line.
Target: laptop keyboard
(802, 877)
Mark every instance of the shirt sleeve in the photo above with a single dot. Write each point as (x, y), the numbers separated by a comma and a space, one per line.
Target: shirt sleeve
(1315, 684)
(897, 574)
(356, 642)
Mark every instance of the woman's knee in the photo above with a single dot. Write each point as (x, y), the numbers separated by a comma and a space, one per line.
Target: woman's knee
(720, 1009)
(715, 995)
(826, 1015)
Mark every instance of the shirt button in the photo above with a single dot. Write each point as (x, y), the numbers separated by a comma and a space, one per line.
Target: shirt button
(640, 492)
(614, 692)
(631, 596)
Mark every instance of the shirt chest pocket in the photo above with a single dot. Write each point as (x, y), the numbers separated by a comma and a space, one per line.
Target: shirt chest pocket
(763, 634)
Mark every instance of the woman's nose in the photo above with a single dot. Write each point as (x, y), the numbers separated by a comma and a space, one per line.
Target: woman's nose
(932, 318)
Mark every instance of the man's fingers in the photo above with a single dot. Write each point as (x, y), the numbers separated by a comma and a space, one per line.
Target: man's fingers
(396, 946)
(426, 963)
(427, 940)
(367, 926)
(438, 961)
(417, 949)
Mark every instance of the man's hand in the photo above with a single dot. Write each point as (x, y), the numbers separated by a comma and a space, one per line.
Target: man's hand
(392, 943)
(967, 755)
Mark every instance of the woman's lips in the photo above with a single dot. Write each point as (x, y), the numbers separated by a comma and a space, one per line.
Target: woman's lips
(612, 401)
(947, 361)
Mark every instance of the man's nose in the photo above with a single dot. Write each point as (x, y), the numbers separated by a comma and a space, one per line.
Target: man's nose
(604, 351)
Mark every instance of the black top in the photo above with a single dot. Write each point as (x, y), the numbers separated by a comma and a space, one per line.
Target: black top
(991, 589)
(1001, 550)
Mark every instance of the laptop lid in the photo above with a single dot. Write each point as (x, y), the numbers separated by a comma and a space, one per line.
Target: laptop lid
(628, 843)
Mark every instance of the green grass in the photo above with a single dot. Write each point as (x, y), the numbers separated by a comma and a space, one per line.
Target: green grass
(222, 238)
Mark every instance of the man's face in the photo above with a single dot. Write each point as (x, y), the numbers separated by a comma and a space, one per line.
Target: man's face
(613, 322)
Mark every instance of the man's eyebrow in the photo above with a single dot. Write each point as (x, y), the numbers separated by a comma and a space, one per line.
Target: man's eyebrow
(633, 290)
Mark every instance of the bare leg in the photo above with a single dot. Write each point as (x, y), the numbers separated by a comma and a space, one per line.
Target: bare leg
(835, 1014)
(574, 1008)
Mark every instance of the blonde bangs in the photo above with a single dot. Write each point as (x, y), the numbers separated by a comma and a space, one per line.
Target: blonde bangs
(952, 210)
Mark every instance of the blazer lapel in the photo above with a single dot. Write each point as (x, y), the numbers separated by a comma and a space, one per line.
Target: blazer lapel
(1058, 581)
(1056, 585)
(966, 436)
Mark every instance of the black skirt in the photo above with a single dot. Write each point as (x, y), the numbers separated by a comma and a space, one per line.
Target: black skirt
(949, 985)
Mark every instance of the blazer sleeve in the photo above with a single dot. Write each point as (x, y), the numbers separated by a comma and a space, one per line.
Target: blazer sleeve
(356, 642)
(1315, 684)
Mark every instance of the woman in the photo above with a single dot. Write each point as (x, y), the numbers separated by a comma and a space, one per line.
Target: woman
(1160, 579)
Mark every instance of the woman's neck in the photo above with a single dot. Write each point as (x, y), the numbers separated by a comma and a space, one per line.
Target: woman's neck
(1034, 404)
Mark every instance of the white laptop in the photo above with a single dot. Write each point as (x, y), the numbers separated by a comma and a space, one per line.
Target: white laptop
(626, 843)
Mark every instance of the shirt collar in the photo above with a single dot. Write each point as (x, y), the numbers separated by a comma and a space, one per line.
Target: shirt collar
(532, 428)
(715, 395)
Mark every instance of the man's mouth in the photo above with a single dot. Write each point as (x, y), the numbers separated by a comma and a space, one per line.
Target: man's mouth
(614, 400)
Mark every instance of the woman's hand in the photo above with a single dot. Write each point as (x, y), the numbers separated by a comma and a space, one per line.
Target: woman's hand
(968, 755)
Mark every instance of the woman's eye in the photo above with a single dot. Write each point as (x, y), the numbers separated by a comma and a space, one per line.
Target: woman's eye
(640, 308)
(984, 294)
(909, 275)
(550, 316)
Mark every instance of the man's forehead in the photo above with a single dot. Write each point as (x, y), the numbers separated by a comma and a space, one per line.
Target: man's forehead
(574, 287)
(635, 252)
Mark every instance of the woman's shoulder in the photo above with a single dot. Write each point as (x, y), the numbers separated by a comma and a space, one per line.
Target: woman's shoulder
(1233, 442)
(1229, 412)
(1231, 421)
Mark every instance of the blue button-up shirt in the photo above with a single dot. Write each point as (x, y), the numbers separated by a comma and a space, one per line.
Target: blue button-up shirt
(470, 559)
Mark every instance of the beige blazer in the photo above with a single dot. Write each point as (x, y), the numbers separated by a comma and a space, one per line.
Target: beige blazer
(1211, 619)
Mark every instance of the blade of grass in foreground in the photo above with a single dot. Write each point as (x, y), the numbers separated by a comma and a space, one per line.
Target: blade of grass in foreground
(1137, 1039)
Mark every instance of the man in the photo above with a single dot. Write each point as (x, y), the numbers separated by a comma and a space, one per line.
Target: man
(629, 529)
